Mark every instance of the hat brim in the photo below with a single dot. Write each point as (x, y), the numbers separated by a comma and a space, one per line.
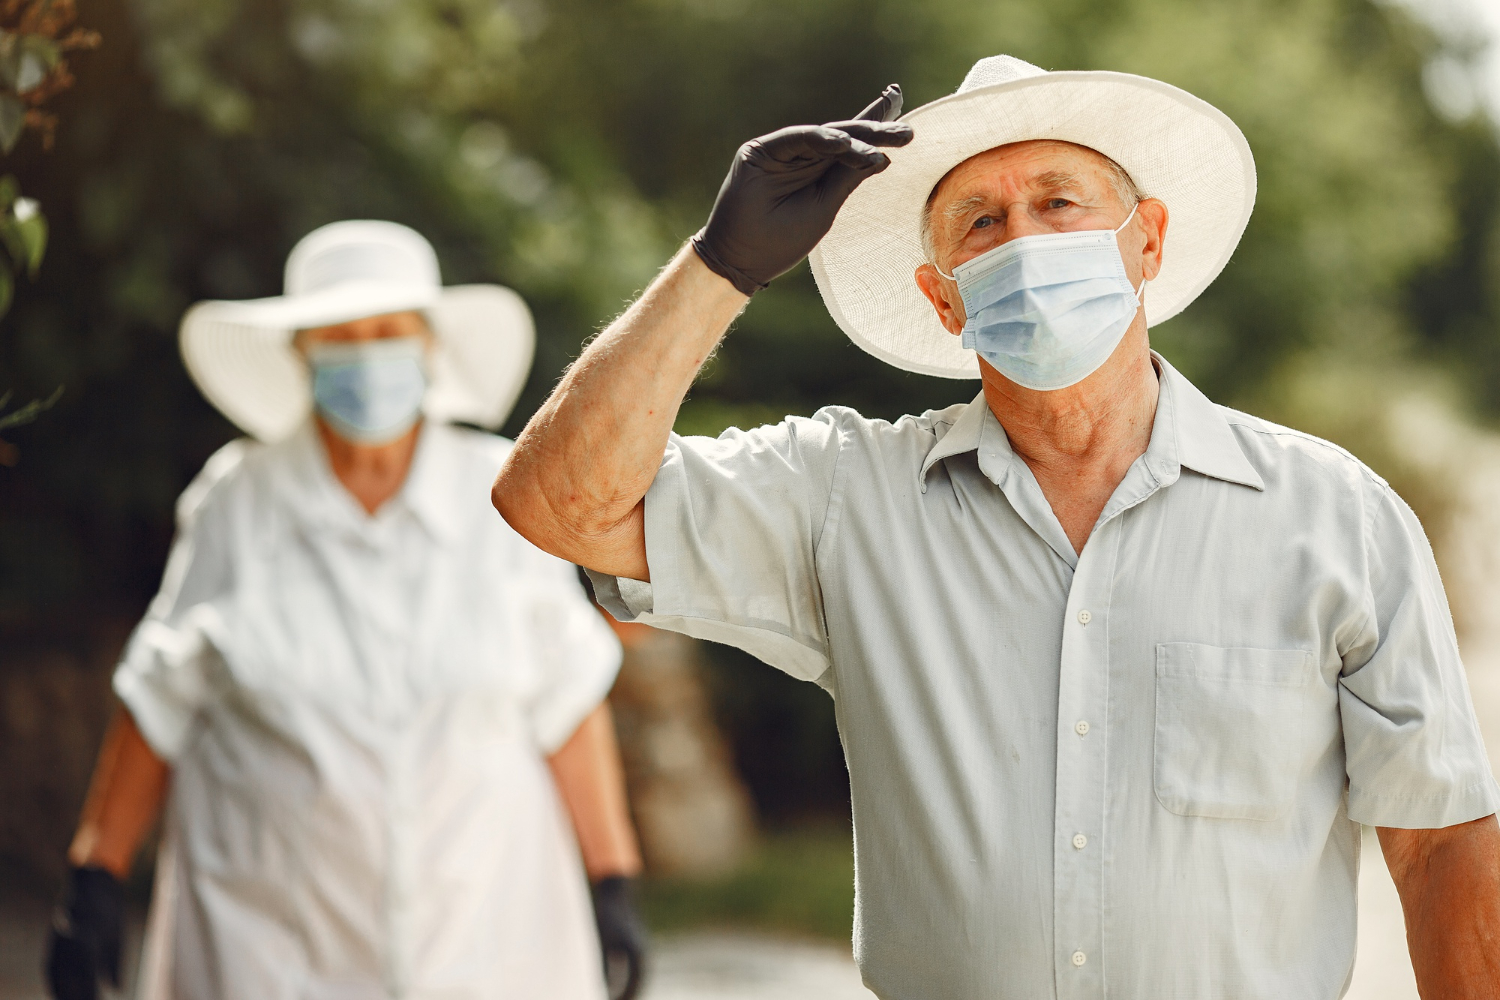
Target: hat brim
(241, 357)
(1176, 147)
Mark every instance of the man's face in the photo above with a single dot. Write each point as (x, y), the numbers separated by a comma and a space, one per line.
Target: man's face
(400, 324)
(1024, 189)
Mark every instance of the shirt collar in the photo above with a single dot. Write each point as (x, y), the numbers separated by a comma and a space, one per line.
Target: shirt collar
(1190, 431)
(319, 498)
(1205, 442)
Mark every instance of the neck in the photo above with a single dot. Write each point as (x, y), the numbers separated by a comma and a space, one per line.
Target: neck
(372, 473)
(1080, 441)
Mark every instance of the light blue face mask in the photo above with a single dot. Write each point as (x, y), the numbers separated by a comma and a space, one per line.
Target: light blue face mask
(1048, 310)
(369, 391)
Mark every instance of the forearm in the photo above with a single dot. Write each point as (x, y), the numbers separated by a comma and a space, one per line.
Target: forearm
(591, 781)
(124, 799)
(575, 480)
(1449, 881)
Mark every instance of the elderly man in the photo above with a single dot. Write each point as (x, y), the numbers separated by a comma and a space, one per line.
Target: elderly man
(1118, 672)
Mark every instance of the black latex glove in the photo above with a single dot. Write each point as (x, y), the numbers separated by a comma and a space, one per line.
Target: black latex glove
(784, 189)
(86, 929)
(622, 936)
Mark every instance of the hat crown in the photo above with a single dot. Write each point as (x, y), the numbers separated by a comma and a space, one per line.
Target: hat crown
(384, 253)
(992, 70)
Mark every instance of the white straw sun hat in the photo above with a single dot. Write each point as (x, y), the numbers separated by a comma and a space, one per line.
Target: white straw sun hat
(240, 353)
(1175, 147)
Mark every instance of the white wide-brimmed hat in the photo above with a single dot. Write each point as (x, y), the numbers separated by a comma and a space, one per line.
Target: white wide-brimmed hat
(1175, 147)
(241, 356)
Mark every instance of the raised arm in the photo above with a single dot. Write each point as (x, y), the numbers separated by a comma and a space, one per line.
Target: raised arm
(575, 482)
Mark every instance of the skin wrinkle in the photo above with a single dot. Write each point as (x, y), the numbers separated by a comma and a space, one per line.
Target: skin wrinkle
(1080, 441)
(610, 419)
(1125, 187)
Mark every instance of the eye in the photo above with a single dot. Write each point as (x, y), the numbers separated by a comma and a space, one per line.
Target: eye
(1058, 203)
(984, 222)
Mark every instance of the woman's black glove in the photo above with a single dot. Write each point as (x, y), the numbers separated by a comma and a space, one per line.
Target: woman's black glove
(86, 934)
(784, 189)
(622, 936)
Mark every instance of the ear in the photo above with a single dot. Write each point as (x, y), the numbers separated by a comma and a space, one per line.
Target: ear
(943, 294)
(1153, 220)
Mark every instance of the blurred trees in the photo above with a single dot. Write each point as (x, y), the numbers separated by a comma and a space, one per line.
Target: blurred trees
(566, 147)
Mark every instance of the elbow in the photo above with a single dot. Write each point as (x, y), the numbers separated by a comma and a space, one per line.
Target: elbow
(508, 499)
(531, 512)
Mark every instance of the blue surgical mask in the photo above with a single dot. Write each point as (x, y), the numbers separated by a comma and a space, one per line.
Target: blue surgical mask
(1048, 310)
(369, 391)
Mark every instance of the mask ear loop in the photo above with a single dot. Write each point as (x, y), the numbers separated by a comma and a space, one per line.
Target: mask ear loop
(1140, 293)
(1122, 225)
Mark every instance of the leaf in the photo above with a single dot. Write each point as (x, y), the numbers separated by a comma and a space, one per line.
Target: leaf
(12, 120)
(7, 290)
(15, 245)
(38, 55)
(33, 233)
(30, 411)
(30, 73)
(10, 190)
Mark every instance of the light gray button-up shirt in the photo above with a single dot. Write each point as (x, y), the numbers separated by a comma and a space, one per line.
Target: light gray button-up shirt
(1134, 772)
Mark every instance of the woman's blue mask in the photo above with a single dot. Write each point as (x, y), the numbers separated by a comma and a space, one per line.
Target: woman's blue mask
(1048, 310)
(369, 391)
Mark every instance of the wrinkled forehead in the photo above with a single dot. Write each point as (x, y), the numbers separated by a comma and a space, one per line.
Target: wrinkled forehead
(1032, 164)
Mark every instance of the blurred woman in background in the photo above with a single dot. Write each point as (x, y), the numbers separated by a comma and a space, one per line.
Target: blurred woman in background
(356, 676)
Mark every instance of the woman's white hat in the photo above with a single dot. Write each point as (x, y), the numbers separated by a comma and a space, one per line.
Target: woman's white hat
(1176, 147)
(240, 353)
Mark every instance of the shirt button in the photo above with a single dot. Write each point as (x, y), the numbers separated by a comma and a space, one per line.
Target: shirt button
(1084, 617)
(1080, 841)
(1082, 729)
(1079, 958)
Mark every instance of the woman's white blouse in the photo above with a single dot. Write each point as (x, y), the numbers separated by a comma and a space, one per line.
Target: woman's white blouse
(357, 711)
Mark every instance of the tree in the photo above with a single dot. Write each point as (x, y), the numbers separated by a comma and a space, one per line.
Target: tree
(566, 147)
(35, 37)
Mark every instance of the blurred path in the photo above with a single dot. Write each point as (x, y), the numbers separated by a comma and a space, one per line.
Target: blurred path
(748, 967)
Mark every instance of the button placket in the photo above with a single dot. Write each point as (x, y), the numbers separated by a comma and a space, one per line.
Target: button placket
(1083, 688)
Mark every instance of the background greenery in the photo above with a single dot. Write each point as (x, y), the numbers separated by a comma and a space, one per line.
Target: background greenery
(566, 147)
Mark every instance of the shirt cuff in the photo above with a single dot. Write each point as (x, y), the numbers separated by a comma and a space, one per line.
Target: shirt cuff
(164, 724)
(1426, 812)
(625, 599)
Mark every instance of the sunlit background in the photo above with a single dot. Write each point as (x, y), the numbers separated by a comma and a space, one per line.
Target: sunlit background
(566, 148)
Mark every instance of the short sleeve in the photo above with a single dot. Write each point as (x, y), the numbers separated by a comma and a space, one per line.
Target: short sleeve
(577, 651)
(1414, 755)
(732, 529)
(165, 675)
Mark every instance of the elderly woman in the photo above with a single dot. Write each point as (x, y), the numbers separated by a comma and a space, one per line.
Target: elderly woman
(378, 706)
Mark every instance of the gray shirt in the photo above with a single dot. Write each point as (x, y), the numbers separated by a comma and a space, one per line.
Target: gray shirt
(1137, 771)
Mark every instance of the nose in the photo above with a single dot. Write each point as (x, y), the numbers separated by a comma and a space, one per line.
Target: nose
(1021, 220)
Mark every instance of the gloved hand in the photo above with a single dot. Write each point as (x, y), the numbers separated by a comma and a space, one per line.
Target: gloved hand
(86, 932)
(784, 189)
(622, 936)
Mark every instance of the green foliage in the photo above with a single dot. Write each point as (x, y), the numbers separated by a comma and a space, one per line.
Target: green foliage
(567, 147)
(798, 881)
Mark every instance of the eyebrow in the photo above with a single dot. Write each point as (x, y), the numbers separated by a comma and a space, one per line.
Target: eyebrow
(957, 209)
(1057, 179)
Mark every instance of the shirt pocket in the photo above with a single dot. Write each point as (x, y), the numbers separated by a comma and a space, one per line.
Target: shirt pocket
(1230, 729)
